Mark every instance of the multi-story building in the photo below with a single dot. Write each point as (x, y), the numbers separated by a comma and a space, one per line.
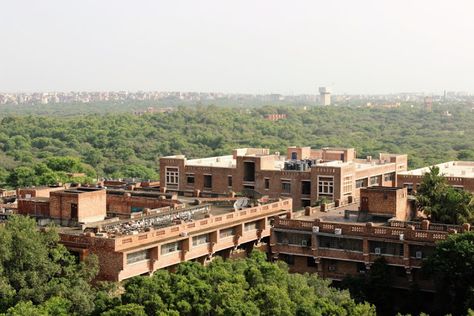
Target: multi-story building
(138, 232)
(459, 174)
(305, 174)
(342, 242)
(165, 238)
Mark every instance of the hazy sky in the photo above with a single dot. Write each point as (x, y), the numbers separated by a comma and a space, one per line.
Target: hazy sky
(256, 46)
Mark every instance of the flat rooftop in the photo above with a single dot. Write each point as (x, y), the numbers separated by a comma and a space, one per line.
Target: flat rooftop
(279, 163)
(163, 217)
(460, 169)
(337, 215)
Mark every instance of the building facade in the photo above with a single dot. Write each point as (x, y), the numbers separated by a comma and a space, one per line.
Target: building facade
(336, 243)
(459, 174)
(304, 174)
(163, 240)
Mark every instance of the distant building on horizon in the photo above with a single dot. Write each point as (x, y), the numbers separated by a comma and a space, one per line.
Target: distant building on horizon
(324, 96)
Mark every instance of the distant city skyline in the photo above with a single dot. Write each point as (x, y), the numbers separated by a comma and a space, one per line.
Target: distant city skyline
(366, 47)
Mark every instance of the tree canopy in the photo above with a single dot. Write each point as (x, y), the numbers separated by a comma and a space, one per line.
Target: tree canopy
(39, 277)
(35, 270)
(451, 266)
(251, 286)
(122, 145)
(443, 203)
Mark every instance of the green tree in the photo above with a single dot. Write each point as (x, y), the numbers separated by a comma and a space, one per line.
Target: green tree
(126, 310)
(451, 266)
(35, 267)
(443, 203)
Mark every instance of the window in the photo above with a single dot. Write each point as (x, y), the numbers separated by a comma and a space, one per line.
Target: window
(200, 240)
(285, 186)
(409, 187)
(208, 181)
(267, 183)
(190, 179)
(326, 185)
(374, 180)
(249, 171)
(389, 176)
(170, 247)
(251, 226)
(421, 251)
(74, 213)
(305, 202)
(311, 262)
(306, 187)
(289, 259)
(172, 176)
(386, 248)
(229, 181)
(302, 240)
(361, 183)
(347, 185)
(340, 243)
(228, 232)
(138, 256)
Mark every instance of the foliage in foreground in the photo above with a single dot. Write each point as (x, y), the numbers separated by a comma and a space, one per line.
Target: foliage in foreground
(39, 277)
(451, 266)
(36, 270)
(252, 286)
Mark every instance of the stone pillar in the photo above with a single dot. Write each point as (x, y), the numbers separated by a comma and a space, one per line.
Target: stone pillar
(425, 224)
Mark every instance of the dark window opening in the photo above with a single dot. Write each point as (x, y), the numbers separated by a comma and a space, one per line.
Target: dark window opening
(311, 262)
(249, 171)
(208, 181)
(229, 181)
(286, 187)
(306, 187)
(267, 183)
(305, 203)
(190, 179)
(294, 156)
(74, 214)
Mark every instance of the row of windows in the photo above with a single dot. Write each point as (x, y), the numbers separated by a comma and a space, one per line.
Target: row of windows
(325, 184)
(207, 180)
(303, 240)
(340, 243)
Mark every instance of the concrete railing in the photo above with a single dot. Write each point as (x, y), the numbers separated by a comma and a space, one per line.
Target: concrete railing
(364, 230)
(170, 232)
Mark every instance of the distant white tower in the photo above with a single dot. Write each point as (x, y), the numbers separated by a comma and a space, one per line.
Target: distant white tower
(324, 96)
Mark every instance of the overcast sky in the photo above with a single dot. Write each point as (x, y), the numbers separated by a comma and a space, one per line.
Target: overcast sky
(254, 46)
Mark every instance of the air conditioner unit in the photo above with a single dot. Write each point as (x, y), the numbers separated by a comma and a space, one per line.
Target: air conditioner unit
(315, 229)
(337, 231)
(304, 243)
(419, 255)
(378, 251)
(402, 236)
(183, 234)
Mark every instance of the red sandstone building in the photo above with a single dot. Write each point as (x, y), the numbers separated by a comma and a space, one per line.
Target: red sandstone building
(166, 238)
(304, 174)
(459, 174)
(346, 241)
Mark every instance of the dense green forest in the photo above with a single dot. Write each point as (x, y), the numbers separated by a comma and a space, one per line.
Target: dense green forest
(39, 277)
(125, 145)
